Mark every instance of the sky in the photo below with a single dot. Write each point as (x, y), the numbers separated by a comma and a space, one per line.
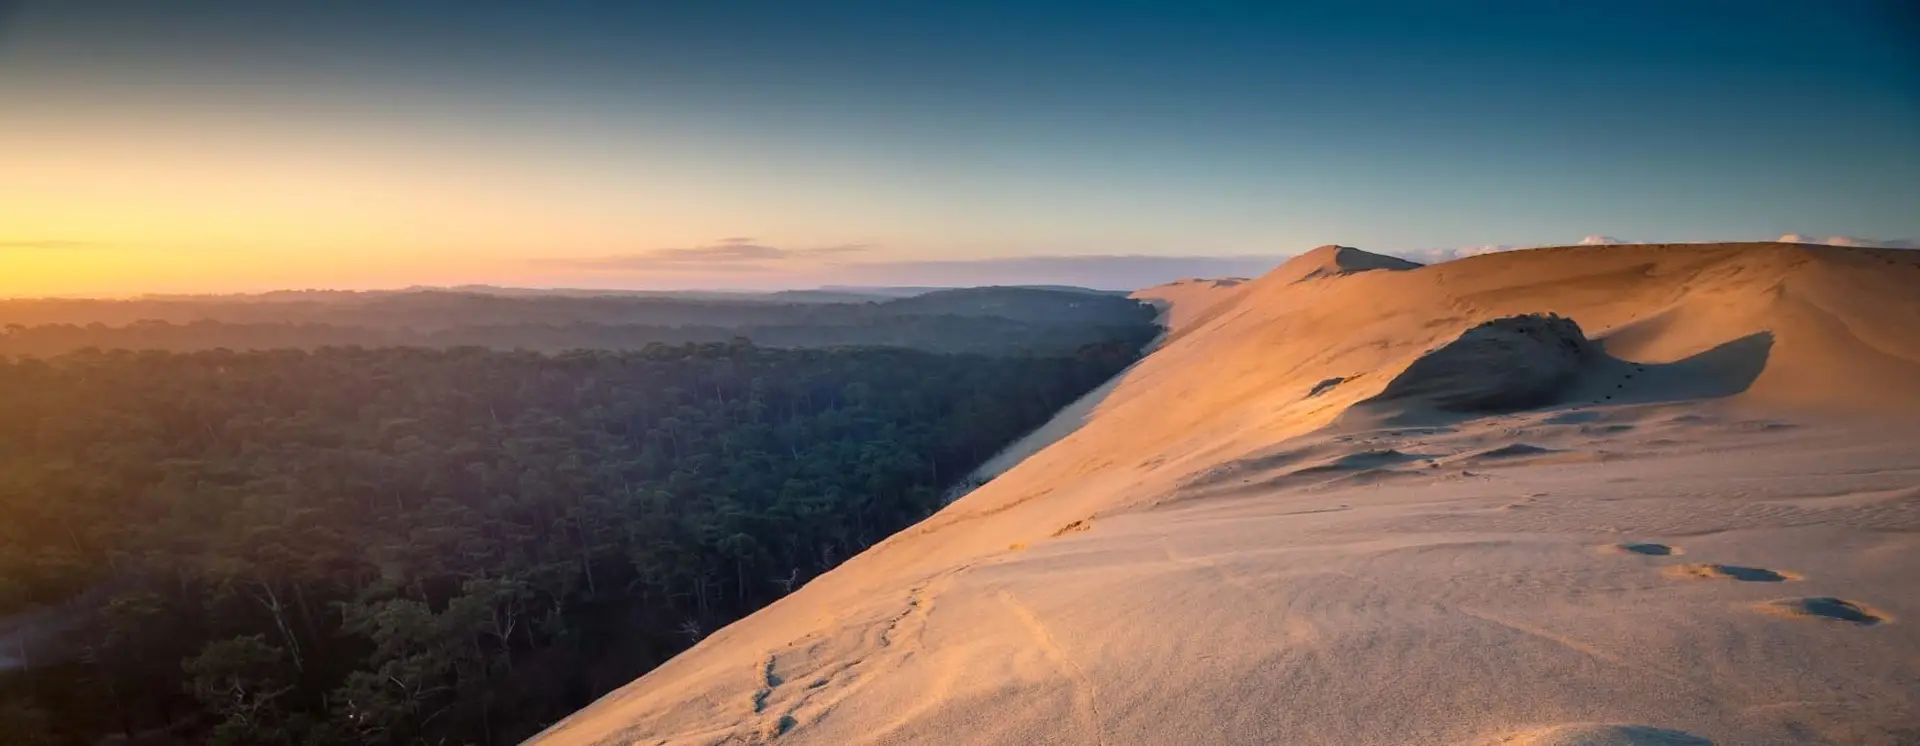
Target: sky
(191, 146)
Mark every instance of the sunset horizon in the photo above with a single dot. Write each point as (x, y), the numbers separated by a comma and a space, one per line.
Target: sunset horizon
(204, 147)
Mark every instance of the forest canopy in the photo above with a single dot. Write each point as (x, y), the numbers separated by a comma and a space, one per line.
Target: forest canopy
(411, 545)
(983, 320)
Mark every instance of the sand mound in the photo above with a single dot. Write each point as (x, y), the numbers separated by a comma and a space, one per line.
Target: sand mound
(1373, 459)
(1603, 735)
(1512, 450)
(1217, 599)
(1505, 364)
(1333, 261)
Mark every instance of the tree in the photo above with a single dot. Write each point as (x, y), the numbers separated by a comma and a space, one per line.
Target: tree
(423, 546)
(240, 681)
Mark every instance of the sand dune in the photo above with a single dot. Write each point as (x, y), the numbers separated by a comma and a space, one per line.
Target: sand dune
(1320, 514)
(1334, 260)
(1184, 303)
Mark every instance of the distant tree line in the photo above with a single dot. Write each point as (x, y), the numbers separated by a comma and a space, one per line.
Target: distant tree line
(976, 320)
(949, 333)
(435, 310)
(446, 546)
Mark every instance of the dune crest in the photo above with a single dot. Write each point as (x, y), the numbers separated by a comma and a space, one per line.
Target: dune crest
(1333, 260)
(1183, 303)
(1259, 557)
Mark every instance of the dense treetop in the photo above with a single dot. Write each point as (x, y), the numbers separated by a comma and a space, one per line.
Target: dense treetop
(985, 320)
(455, 545)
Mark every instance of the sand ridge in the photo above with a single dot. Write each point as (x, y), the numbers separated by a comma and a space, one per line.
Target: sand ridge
(1705, 533)
(1185, 303)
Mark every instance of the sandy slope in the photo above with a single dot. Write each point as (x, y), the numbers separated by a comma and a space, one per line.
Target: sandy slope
(1707, 532)
(1184, 303)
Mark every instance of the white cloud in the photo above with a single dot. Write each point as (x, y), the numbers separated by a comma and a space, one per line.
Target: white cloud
(1435, 256)
(1599, 240)
(1850, 241)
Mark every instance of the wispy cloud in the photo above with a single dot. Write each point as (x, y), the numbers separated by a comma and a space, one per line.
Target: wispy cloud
(47, 243)
(1599, 240)
(735, 254)
(741, 264)
(1102, 271)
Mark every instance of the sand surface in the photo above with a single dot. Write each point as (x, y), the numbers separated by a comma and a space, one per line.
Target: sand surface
(1185, 303)
(1705, 531)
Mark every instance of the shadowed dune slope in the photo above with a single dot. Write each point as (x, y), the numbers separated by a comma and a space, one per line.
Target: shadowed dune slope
(1221, 554)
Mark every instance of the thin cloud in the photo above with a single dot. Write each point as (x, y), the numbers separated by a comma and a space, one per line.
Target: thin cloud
(1869, 243)
(1437, 255)
(745, 263)
(735, 254)
(47, 243)
(723, 252)
(1099, 271)
(1447, 254)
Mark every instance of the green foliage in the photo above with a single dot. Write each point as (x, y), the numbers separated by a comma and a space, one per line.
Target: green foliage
(411, 546)
(238, 681)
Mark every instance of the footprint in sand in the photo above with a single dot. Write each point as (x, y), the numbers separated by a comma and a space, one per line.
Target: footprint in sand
(1642, 548)
(1621, 385)
(1595, 734)
(1711, 571)
(1824, 607)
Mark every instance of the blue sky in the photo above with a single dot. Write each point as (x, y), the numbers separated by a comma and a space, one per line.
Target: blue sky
(641, 144)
